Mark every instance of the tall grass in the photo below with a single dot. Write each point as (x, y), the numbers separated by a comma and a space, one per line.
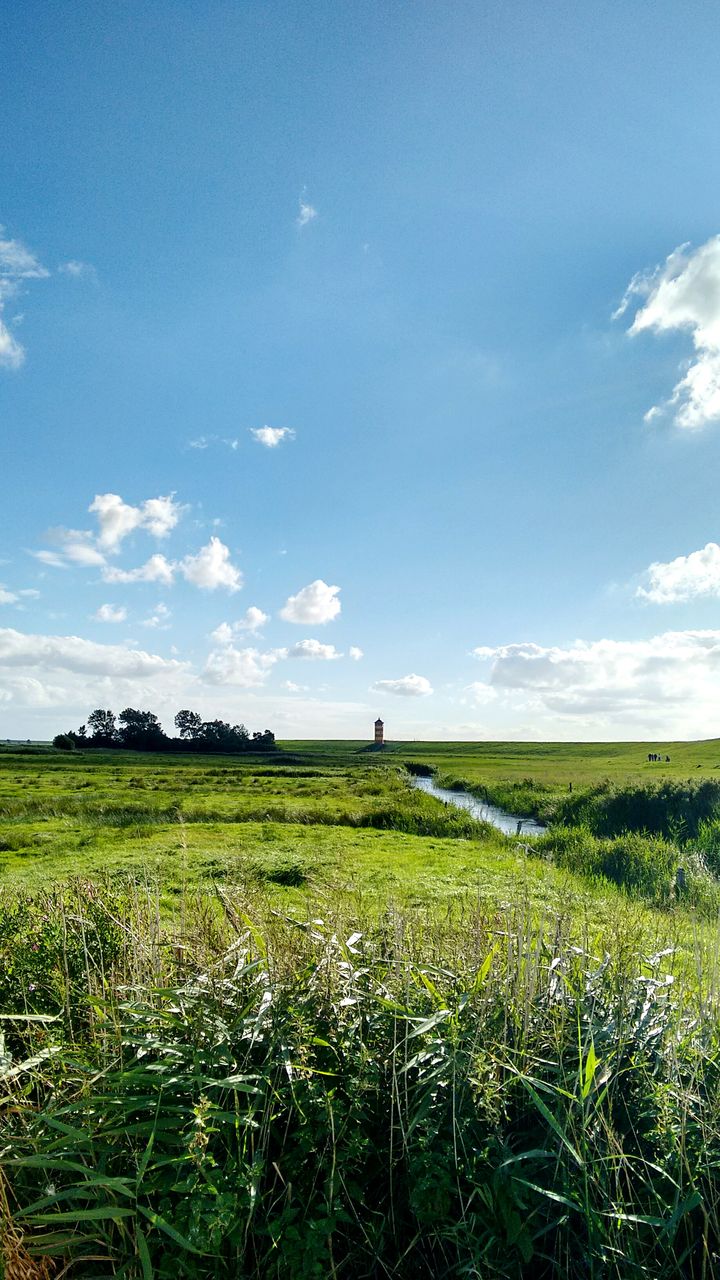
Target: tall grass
(381, 808)
(249, 1095)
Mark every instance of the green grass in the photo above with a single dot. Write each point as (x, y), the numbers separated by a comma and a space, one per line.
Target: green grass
(271, 1019)
(248, 1092)
(553, 764)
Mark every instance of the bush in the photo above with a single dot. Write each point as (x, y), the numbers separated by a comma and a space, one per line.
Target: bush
(63, 742)
(674, 810)
(642, 865)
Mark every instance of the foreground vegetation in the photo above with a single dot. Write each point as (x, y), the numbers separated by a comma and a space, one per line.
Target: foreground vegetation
(253, 1093)
(285, 1017)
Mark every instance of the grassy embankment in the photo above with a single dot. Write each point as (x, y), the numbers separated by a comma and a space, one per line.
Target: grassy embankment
(469, 1061)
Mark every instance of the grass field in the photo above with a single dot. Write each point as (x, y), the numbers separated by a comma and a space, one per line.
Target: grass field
(554, 764)
(290, 1016)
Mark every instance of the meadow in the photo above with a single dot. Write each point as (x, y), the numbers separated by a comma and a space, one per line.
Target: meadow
(286, 1017)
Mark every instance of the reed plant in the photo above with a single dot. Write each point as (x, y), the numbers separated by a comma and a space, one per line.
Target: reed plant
(246, 1093)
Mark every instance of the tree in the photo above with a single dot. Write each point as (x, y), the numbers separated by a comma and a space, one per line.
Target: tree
(141, 730)
(64, 741)
(188, 724)
(217, 735)
(102, 727)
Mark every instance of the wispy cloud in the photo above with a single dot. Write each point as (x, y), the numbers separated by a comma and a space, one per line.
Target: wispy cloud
(74, 547)
(17, 265)
(411, 686)
(205, 441)
(306, 212)
(159, 618)
(684, 294)
(78, 270)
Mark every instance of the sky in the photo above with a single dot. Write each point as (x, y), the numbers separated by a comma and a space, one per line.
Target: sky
(358, 360)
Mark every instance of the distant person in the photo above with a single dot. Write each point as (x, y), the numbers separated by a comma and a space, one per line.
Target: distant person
(667, 759)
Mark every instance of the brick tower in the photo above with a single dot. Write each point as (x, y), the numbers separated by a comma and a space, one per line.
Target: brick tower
(379, 732)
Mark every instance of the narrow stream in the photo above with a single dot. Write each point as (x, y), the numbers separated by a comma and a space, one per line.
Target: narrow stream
(509, 823)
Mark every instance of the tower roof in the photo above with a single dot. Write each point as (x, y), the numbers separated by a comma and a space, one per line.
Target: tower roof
(378, 721)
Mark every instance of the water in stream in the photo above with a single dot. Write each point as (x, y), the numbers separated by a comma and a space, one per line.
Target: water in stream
(505, 822)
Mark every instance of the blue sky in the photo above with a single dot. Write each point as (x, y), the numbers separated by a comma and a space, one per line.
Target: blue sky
(397, 233)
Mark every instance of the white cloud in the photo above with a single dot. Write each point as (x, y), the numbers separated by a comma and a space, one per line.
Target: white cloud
(12, 353)
(76, 546)
(292, 687)
(411, 686)
(252, 620)
(313, 649)
(159, 618)
(314, 605)
(211, 568)
(676, 674)
(110, 613)
(684, 578)
(306, 212)
(83, 657)
(156, 569)
(355, 653)
(51, 558)
(117, 518)
(7, 597)
(48, 683)
(271, 437)
(17, 265)
(246, 668)
(684, 294)
(223, 634)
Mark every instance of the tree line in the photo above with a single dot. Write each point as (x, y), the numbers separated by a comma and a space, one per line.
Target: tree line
(142, 731)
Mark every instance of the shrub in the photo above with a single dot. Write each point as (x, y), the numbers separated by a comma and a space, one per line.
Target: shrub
(642, 865)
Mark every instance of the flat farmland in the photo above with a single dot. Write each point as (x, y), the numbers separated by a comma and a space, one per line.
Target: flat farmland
(289, 1015)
